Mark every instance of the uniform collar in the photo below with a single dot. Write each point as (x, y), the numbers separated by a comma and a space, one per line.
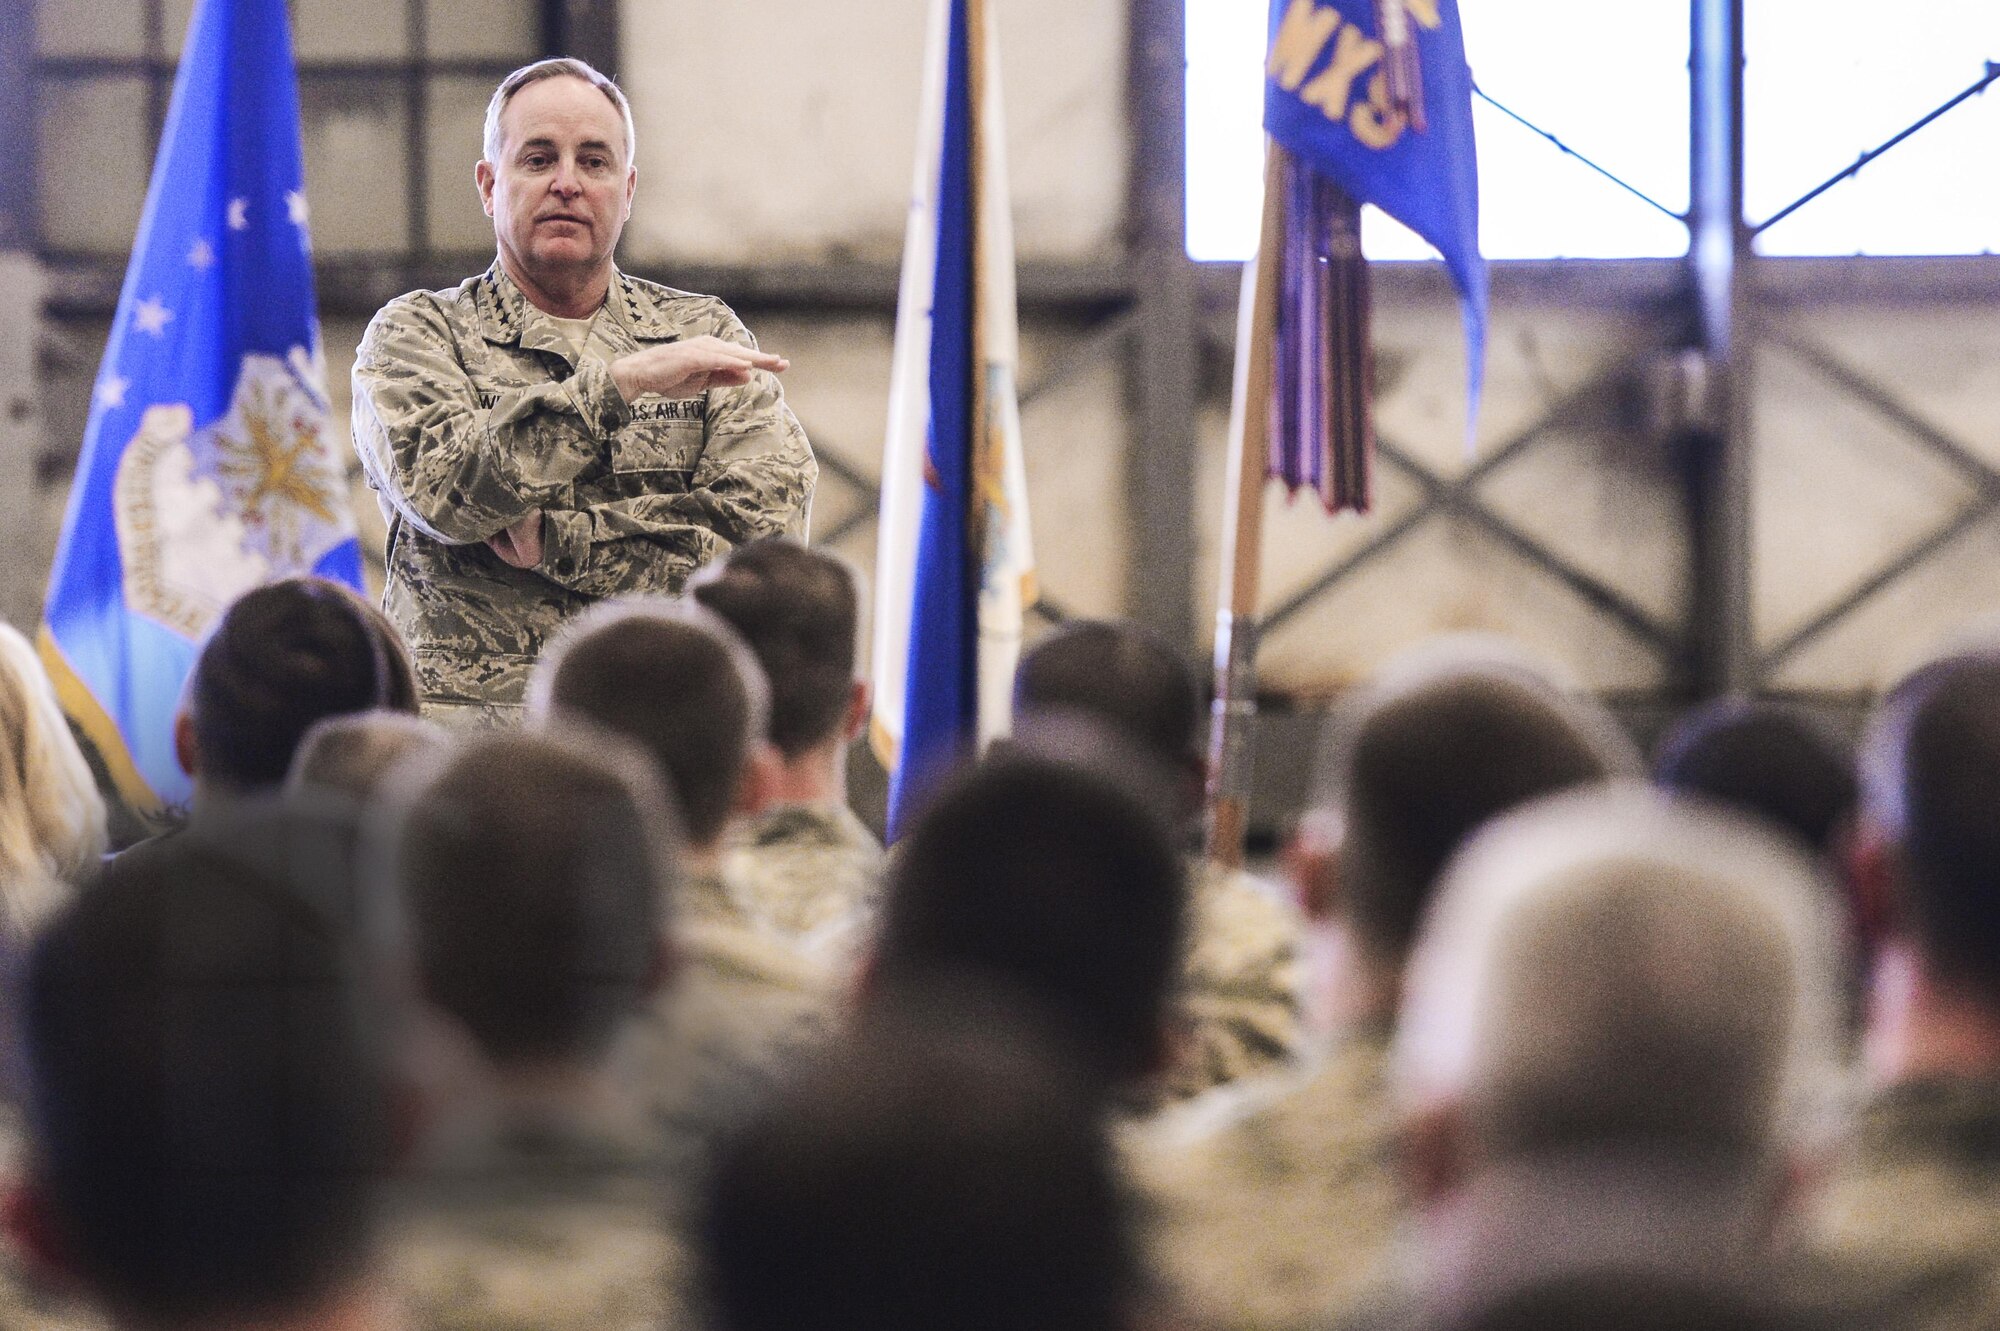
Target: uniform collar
(507, 317)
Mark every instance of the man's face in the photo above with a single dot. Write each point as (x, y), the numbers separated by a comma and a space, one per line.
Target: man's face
(562, 189)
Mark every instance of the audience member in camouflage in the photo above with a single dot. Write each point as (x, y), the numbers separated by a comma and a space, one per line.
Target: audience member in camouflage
(805, 867)
(1274, 1200)
(1236, 1010)
(1914, 1206)
(555, 431)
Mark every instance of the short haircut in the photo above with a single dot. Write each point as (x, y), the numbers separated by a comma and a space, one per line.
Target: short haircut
(1417, 761)
(1766, 759)
(932, 1172)
(1931, 782)
(282, 657)
(559, 67)
(1608, 969)
(1053, 879)
(676, 679)
(798, 610)
(208, 1099)
(402, 693)
(1123, 676)
(536, 872)
(353, 754)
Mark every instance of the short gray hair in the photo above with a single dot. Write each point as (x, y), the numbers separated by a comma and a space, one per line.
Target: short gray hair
(559, 67)
(1610, 966)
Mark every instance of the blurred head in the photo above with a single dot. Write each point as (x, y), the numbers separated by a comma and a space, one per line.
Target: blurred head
(208, 1104)
(1121, 675)
(798, 610)
(282, 657)
(1632, 1301)
(944, 1168)
(354, 754)
(1053, 880)
(1930, 778)
(402, 694)
(1609, 971)
(675, 679)
(535, 871)
(1415, 762)
(51, 816)
(1766, 760)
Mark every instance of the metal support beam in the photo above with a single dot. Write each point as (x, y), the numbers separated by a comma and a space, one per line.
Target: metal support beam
(23, 562)
(1165, 379)
(586, 29)
(1718, 446)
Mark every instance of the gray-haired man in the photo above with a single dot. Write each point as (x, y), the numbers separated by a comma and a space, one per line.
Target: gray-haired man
(554, 431)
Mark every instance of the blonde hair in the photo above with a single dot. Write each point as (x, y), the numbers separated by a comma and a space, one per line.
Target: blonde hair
(51, 816)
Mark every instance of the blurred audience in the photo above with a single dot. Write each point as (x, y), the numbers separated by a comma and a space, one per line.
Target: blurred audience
(1617, 1035)
(352, 755)
(210, 1104)
(675, 679)
(52, 819)
(1055, 883)
(1914, 1201)
(1767, 760)
(1236, 1012)
(536, 873)
(943, 1167)
(1278, 1199)
(804, 865)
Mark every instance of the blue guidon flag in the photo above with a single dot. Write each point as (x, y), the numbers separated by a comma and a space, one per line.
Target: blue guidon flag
(1369, 102)
(208, 466)
(954, 568)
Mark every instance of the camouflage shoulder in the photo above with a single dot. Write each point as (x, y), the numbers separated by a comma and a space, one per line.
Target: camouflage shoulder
(423, 312)
(691, 313)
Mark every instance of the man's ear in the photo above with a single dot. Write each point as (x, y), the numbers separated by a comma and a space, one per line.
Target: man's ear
(666, 965)
(631, 188)
(482, 175)
(30, 1227)
(1312, 864)
(1869, 858)
(1435, 1152)
(860, 700)
(186, 752)
(757, 788)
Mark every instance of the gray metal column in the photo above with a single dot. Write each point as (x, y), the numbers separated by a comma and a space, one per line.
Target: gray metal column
(23, 526)
(586, 29)
(1718, 452)
(1165, 376)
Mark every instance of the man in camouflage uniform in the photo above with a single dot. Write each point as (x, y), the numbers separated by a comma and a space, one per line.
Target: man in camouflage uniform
(555, 431)
(537, 873)
(805, 867)
(1276, 1199)
(1914, 1203)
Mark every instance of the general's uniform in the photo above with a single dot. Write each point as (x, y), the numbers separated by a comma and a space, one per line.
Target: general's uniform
(474, 408)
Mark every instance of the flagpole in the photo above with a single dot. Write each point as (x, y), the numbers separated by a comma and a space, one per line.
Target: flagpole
(1235, 707)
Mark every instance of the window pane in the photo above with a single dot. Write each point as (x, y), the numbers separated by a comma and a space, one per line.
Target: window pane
(1610, 80)
(1820, 93)
(351, 29)
(494, 29)
(90, 27)
(94, 156)
(451, 146)
(357, 164)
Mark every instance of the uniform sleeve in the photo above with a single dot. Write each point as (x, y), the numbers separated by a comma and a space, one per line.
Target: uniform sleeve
(755, 478)
(455, 470)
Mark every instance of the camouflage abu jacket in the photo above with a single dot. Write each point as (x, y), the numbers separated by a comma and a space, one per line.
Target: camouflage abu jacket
(472, 409)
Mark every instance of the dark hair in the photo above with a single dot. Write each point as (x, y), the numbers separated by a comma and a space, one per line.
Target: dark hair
(933, 1172)
(679, 682)
(1936, 764)
(535, 871)
(1766, 759)
(1042, 875)
(1122, 675)
(282, 657)
(1424, 768)
(1633, 1301)
(354, 754)
(797, 610)
(208, 1106)
(400, 692)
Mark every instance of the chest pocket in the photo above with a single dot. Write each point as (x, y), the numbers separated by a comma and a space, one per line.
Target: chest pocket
(663, 435)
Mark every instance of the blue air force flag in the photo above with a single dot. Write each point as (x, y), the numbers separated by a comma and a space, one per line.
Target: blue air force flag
(954, 568)
(1375, 95)
(207, 465)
